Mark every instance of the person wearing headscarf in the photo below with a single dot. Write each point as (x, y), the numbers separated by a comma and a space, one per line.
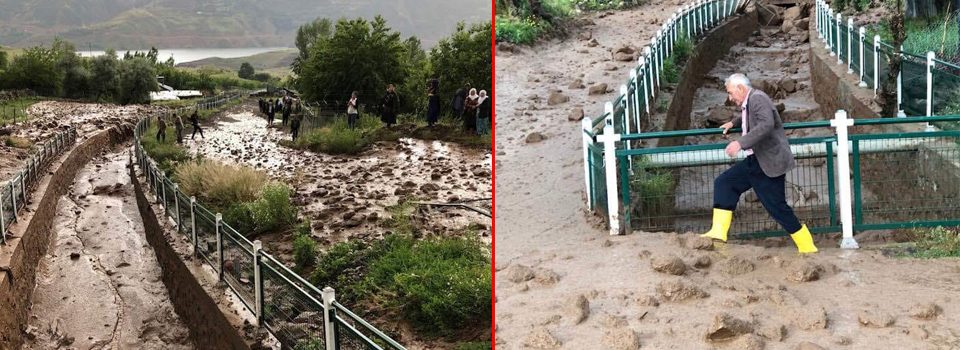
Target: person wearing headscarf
(483, 113)
(177, 122)
(352, 112)
(388, 107)
(433, 98)
(470, 110)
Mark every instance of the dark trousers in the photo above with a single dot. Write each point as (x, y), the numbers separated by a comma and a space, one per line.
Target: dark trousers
(747, 174)
(161, 136)
(196, 128)
(295, 129)
(285, 117)
(352, 121)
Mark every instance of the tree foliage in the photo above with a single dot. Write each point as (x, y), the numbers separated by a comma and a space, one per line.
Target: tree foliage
(246, 71)
(137, 79)
(307, 35)
(464, 57)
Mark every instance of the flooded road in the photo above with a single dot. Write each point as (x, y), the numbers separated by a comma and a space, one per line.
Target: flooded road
(344, 196)
(99, 287)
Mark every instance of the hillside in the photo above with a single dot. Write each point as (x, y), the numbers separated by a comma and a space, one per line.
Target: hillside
(260, 62)
(139, 24)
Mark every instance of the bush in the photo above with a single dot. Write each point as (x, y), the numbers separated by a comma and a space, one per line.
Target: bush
(273, 210)
(18, 142)
(342, 268)
(670, 72)
(520, 30)
(220, 184)
(337, 138)
(304, 252)
(167, 154)
(938, 242)
(682, 49)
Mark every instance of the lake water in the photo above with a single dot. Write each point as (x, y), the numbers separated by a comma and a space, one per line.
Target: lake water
(189, 55)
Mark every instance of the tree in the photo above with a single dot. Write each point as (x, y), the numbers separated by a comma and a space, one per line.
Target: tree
(464, 57)
(105, 79)
(3, 58)
(414, 87)
(888, 94)
(246, 71)
(360, 56)
(35, 69)
(307, 35)
(137, 80)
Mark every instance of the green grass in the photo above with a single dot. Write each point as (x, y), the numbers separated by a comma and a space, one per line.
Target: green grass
(167, 154)
(925, 34)
(520, 30)
(15, 110)
(670, 71)
(937, 242)
(662, 105)
(304, 252)
(519, 26)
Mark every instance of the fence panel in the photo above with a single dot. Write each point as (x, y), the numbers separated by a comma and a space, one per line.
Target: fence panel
(238, 265)
(293, 316)
(914, 84)
(868, 67)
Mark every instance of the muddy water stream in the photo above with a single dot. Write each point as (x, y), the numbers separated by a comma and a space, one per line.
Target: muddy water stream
(344, 196)
(99, 287)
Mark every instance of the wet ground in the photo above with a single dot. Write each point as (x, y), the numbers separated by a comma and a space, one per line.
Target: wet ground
(99, 287)
(345, 196)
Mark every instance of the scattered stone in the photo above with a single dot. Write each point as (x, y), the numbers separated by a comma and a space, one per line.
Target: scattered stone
(805, 273)
(671, 265)
(787, 26)
(74, 256)
(792, 14)
(700, 243)
(726, 327)
(875, 319)
(576, 114)
(508, 47)
(803, 24)
(841, 340)
(773, 332)
(781, 107)
(585, 35)
(557, 98)
(648, 300)
(611, 321)
(917, 332)
(429, 187)
(579, 309)
(593, 43)
(576, 84)
(808, 346)
(736, 266)
(31, 332)
(520, 273)
(623, 339)
(788, 84)
(703, 262)
(535, 137)
(751, 197)
(679, 291)
(622, 57)
(808, 317)
(598, 89)
(541, 339)
(610, 67)
(748, 342)
(546, 277)
(925, 311)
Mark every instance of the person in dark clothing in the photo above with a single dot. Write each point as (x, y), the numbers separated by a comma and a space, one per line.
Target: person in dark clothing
(287, 108)
(352, 112)
(177, 122)
(195, 121)
(295, 122)
(260, 101)
(433, 99)
(483, 113)
(470, 111)
(388, 107)
(271, 110)
(161, 130)
(459, 99)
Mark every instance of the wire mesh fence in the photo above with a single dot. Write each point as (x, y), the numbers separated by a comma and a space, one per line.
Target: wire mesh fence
(292, 315)
(868, 57)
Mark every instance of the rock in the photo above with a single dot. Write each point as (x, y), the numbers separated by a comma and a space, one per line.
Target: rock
(807, 317)
(736, 266)
(719, 116)
(593, 43)
(535, 137)
(802, 37)
(541, 339)
(841, 340)
(576, 114)
(585, 35)
(429, 187)
(31, 333)
(700, 243)
(748, 342)
(679, 291)
(803, 24)
(808, 346)
(624, 49)
(508, 47)
(623, 57)
(622, 339)
(598, 89)
(773, 332)
(925, 311)
(546, 277)
(917, 332)
(768, 87)
(781, 107)
(648, 300)
(576, 84)
(751, 197)
(671, 265)
(611, 321)
(787, 26)
(792, 14)
(520, 273)
(556, 98)
(74, 256)
(703, 262)
(761, 43)
(610, 67)
(726, 327)
(875, 319)
(805, 273)
(578, 309)
(788, 84)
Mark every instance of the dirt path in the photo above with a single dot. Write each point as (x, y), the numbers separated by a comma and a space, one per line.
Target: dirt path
(344, 196)
(562, 283)
(99, 286)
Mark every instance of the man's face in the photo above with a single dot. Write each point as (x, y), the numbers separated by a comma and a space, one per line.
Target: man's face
(736, 93)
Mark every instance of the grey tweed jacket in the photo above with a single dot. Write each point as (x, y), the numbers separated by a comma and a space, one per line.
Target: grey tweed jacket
(765, 135)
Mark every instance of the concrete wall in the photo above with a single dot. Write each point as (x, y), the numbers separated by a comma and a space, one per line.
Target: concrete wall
(706, 54)
(30, 238)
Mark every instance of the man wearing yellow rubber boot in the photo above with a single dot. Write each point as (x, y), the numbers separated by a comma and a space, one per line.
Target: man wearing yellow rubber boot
(768, 160)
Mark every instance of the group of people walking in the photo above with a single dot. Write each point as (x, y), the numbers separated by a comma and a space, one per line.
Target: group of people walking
(289, 108)
(474, 109)
(194, 120)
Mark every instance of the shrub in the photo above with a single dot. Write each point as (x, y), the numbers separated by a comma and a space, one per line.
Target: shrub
(337, 138)
(220, 184)
(400, 221)
(938, 242)
(683, 47)
(273, 210)
(18, 142)
(304, 252)
(670, 71)
(663, 105)
(520, 30)
(342, 268)
(167, 154)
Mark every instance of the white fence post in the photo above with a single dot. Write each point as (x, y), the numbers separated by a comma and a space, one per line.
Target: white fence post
(624, 90)
(258, 280)
(219, 218)
(193, 219)
(698, 16)
(659, 51)
(850, 46)
(819, 18)
(328, 296)
(655, 78)
(930, 66)
(863, 31)
(876, 64)
(900, 113)
(609, 139)
(828, 26)
(587, 124)
(643, 77)
(843, 172)
(635, 101)
(176, 206)
(839, 34)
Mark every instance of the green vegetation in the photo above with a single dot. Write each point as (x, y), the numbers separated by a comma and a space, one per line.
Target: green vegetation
(246, 71)
(662, 105)
(929, 243)
(938, 34)
(14, 111)
(304, 249)
(670, 71)
(18, 142)
(167, 154)
(682, 49)
(475, 346)
(524, 21)
(653, 184)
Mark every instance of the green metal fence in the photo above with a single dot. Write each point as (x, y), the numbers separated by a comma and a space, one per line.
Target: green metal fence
(295, 312)
(13, 194)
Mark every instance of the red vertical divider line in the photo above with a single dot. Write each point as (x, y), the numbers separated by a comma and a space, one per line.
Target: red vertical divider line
(493, 163)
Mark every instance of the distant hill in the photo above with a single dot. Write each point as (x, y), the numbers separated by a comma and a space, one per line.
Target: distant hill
(260, 62)
(140, 24)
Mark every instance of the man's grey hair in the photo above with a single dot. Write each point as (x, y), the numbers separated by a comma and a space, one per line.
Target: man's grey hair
(738, 79)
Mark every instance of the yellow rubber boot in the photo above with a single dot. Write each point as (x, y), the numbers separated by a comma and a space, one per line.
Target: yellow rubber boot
(804, 241)
(721, 224)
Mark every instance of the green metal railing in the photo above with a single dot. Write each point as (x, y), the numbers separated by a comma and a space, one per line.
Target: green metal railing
(294, 311)
(13, 194)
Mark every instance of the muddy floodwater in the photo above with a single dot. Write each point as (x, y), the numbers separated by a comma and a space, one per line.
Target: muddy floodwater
(345, 196)
(99, 287)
